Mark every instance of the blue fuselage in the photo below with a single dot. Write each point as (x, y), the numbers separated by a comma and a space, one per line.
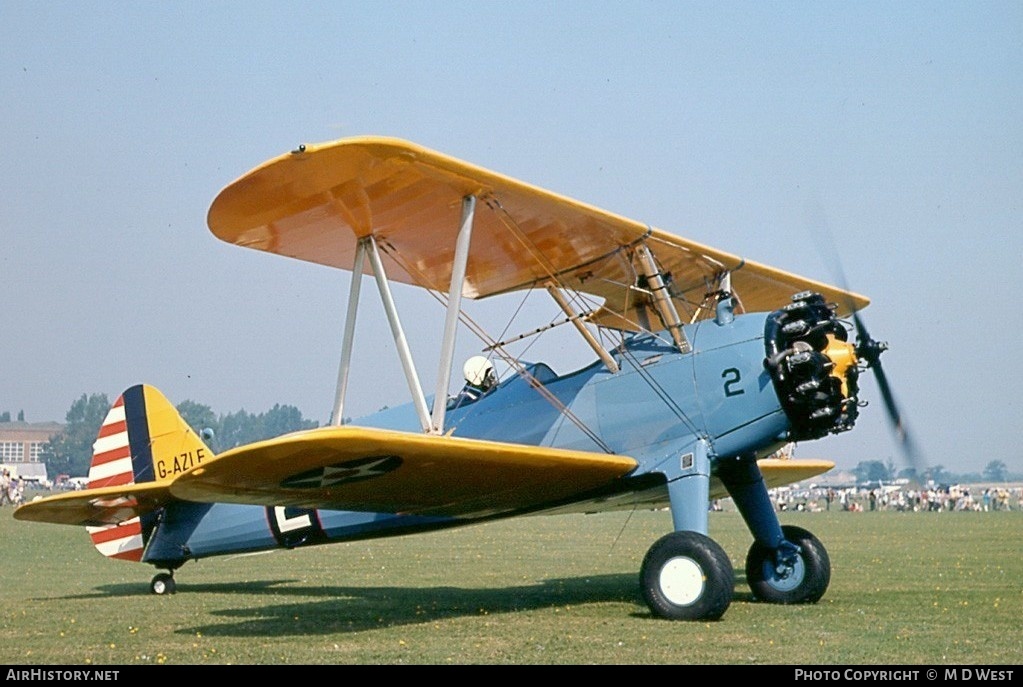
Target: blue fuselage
(658, 405)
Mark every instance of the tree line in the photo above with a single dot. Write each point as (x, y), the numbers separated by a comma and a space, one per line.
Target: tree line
(878, 471)
(70, 452)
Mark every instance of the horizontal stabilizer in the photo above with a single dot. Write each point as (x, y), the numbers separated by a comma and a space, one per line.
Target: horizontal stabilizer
(96, 507)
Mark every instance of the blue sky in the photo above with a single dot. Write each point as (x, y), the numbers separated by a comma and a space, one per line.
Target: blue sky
(749, 126)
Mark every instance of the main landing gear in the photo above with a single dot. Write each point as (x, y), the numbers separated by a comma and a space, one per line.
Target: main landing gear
(688, 576)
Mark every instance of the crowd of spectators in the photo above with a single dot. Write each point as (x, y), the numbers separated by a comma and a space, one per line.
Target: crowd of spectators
(12, 489)
(900, 498)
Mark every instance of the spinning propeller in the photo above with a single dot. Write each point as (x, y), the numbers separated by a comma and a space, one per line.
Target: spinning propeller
(869, 351)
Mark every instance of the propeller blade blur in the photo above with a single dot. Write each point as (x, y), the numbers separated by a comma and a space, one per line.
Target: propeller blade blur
(869, 350)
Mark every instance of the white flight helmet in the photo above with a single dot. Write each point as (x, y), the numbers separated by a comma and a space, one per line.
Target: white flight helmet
(477, 369)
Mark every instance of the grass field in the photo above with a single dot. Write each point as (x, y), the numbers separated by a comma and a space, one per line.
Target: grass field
(906, 588)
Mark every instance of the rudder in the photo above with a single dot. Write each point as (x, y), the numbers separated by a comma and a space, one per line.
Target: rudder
(142, 439)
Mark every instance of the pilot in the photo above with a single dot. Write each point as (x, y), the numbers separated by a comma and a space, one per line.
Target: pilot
(479, 380)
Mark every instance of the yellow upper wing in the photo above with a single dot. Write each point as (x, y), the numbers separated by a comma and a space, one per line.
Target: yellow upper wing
(315, 203)
(365, 469)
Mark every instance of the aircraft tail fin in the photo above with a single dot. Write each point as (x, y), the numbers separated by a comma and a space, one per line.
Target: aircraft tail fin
(143, 439)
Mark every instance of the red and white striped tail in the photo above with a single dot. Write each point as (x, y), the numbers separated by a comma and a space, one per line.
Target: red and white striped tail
(112, 466)
(123, 541)
(111, 454)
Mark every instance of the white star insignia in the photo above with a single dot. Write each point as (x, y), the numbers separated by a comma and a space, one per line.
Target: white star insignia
(352, 471)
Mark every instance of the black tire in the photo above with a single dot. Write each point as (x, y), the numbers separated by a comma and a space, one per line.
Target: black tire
(803, 583)
(687, 576)
(163, 583)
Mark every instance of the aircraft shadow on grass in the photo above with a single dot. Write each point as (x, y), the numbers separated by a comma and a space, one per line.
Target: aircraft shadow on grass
(360, 608)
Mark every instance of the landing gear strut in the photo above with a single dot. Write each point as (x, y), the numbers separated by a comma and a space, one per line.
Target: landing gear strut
(785, 564)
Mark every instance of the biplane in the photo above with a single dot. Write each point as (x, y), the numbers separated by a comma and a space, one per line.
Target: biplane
(704, 365)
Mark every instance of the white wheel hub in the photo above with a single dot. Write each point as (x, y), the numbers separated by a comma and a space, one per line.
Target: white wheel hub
(681, 581)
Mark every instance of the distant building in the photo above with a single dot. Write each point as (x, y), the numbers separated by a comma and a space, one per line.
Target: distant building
(21, 445)
(836, 478)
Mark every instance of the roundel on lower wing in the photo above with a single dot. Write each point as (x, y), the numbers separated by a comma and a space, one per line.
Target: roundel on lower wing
(343, 473)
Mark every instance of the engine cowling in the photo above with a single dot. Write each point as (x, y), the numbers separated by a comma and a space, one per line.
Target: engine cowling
(813, 366)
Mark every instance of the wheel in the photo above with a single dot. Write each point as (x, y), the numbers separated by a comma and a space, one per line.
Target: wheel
(687, 576)
(163, 583)
(804, 579)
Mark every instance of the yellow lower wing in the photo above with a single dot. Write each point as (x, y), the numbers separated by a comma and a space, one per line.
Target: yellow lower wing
(352, 468)
(358, 468)
(778, 472)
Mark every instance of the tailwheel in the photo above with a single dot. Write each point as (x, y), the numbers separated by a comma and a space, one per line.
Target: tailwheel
(798, 572)
(163, 583)
(687, 576)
